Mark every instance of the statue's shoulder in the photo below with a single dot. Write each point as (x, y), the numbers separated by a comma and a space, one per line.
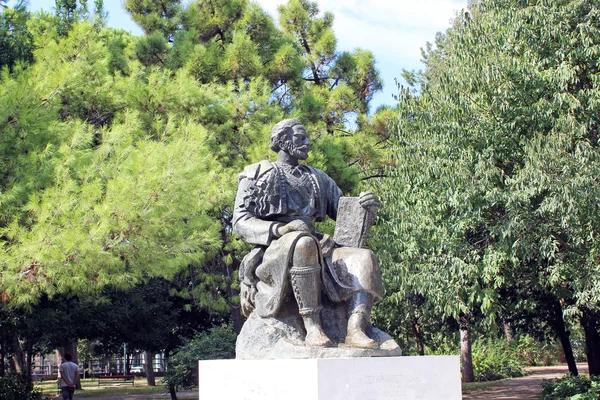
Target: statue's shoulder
(316, 171)
(253, 171)
(321, 174)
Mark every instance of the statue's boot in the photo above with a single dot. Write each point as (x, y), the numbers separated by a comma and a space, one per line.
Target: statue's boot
(358, 322)
(315, 336)
(306, 284)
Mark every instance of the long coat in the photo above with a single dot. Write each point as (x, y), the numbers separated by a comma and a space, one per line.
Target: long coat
(269, 195)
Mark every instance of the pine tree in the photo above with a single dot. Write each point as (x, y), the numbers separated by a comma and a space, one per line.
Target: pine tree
(156, 16)
(16, 42)
(124, 151)
(342, 83)
(99, 196)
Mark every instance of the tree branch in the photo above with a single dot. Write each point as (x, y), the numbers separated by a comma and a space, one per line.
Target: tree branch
(313, 68)
(317, 80)
(560, 239)
(280, 85)
(366, 178)
(334, 84)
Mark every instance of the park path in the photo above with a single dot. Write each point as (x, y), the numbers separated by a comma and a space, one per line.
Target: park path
(180, 395)
(157, 396)
(527, 387)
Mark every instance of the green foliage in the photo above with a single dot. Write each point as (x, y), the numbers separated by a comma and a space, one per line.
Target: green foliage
(155, 17)
(70, 11)
(123, 152)
(495, 359)
(338, 85)
(531, 352)
(182, 370)
(18, 387)
(571, 388)
(415, 325)
(152, 50)
(16, 41)
(98, 194)
(495, 162)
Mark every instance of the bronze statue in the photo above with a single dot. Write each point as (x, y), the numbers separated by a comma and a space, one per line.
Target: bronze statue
(276, 207)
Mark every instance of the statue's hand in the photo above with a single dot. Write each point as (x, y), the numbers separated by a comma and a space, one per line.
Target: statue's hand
(369, 201)
(295, 225)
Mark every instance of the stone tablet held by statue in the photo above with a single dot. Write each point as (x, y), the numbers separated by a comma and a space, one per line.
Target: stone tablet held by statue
(353, 223)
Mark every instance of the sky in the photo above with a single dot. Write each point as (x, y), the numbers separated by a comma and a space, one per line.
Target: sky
(394, 30)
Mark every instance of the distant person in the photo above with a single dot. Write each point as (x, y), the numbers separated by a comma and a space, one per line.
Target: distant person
(69, 374)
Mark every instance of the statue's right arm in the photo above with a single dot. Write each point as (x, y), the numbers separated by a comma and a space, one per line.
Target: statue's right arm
(249, 228)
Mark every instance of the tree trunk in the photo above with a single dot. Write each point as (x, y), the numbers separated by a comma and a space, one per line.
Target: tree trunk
(508, 332)
(236, 312)
(172, 392)
(29, 364)
(150, 368)
(2, 356)
(71, 349)
(558, 324)
(127, 366)
(418, 335)
(590, 321)
(466, 357)
(228, 271)
(18, 357)
(563, 336)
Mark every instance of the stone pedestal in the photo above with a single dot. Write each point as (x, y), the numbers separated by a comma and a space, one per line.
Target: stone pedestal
(375, 378)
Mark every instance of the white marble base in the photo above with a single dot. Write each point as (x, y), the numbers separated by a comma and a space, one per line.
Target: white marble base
(375, 378)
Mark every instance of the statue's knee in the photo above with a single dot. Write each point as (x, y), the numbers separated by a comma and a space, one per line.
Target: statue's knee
(365, 257)
(306, 244)
(306, 251)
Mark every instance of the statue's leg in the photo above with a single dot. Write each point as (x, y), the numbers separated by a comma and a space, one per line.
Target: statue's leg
(359, 315)
(306, 284)
(360, 267)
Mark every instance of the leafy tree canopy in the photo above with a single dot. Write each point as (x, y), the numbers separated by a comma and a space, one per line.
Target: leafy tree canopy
(496, 159)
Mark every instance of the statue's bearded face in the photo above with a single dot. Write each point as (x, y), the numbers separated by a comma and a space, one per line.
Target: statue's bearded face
(296, 144)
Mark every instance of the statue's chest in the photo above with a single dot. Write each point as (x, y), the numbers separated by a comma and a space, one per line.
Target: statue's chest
(301, 192)
(301, 199)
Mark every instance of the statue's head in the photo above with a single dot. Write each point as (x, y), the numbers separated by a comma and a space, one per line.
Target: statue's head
(290, 136)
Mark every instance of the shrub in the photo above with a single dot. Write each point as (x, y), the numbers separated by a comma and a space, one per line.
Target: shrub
(18, 387)
(182, 369)
(531, 352)
(571, 388)
(495, 359)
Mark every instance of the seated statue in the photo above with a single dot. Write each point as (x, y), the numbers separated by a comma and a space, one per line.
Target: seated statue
(276, 207)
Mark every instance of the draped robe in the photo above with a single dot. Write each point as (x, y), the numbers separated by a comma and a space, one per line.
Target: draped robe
(271, 194)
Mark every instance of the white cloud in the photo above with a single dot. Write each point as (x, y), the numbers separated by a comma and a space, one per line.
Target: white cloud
(396, 13)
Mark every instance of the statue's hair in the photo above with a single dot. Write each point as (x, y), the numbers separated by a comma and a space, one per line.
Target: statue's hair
(279, 130)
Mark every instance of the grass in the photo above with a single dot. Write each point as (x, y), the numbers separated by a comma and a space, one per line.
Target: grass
(475, 386)
(90, 389)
